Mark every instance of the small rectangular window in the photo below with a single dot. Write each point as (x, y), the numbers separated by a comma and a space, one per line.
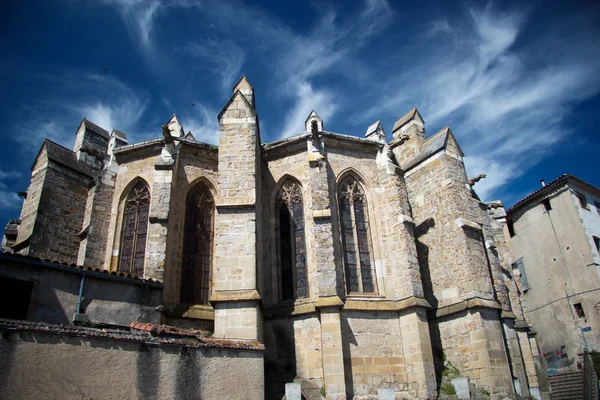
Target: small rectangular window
(511, 228)
(579, 310)
(546, 203)
(597, 243)
(582, 200)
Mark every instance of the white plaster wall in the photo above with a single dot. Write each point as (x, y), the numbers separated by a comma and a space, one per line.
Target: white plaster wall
(590, 218)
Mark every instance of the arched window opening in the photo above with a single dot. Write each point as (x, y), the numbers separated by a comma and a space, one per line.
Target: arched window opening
(360, 274)
(197, 245)
(134, 230)
(293, 274)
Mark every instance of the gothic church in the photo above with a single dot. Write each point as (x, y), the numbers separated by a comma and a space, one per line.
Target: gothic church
(358, 262)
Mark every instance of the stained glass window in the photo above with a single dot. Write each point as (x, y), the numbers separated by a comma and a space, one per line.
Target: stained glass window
(293, 274)
(360, 274)
(134, 230)
(197, 246)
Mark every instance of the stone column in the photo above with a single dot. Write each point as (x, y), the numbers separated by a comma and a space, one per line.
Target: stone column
(526, 350)
(156, 245)
(516, 358)
(329, 281)
(418, 356)
(333, 359)
(235, 296)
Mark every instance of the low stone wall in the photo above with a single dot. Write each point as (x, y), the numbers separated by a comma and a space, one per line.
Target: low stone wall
(82, 363)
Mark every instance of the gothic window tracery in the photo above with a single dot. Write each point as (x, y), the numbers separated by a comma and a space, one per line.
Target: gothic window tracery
(134, 230)
(198, 236)
(293, 274)
(356, 238)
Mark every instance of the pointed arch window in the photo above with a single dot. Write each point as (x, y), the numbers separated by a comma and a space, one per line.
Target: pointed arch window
(198, 235)
(293, 274)
(356, 237)
(134, 230)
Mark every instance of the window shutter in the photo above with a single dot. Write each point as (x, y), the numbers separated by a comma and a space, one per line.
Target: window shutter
(521, 268)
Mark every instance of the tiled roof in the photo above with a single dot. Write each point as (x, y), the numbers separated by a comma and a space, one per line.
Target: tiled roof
(64, 156)
(327, 134)
(162, 334)
(431, 146)
(412, 114)
(93, 127)
(560, 181)
(98, 272)
(120, 135)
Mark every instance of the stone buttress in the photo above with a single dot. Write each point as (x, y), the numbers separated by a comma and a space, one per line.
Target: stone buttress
(235, 295)
(465, 321)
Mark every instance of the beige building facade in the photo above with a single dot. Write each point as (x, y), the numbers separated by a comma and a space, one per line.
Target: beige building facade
(358, 262)
(556, 239)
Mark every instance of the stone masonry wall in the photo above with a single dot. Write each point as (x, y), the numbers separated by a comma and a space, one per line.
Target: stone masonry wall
(40, 365)
(92, 248)
(236, 226)
(31, 203)
(473, 342)
(60, 214)
(373, 353)
(452, 259)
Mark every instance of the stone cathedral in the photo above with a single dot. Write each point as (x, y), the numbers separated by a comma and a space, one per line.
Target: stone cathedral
(358, 262)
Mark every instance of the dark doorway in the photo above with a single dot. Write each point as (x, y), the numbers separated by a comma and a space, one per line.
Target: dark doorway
(14, 298)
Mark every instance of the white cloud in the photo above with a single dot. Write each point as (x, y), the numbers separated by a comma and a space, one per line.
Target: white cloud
(8, 194)
(502, 96)
(223, 58)
(203, 124)
(55, 115)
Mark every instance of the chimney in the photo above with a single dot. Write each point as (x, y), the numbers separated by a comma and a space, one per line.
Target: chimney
(542, 182)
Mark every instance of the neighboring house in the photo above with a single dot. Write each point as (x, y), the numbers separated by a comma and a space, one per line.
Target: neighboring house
(556, 238)
(359, 263)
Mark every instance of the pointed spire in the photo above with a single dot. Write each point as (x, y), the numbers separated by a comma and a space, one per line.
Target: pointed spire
(189, 136)
(313, 116)
(375, 132)
(246, 88)
(412, 115)
(175, 127)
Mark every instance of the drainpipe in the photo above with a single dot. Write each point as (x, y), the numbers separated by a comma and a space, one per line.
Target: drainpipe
(78, 316)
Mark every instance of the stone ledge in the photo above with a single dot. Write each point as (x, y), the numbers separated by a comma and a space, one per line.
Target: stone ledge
(164, 165)
(315, 157)
(200, 312)
(329, 301)
(225, 296)
(508, 315)
(385, 305)
(290, 309)
(465, 223)
(240, 205)
(322, 214)
(466, 305)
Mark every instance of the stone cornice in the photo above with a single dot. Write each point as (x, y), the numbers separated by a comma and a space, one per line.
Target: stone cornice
(228, 296)
(385, 305)
(465, 305)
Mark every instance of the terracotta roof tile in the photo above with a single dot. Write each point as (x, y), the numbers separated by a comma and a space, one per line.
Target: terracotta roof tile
(174, 336)
(561, 180)
(52, 263)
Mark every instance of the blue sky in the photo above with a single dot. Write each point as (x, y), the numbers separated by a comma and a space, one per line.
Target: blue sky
(518, 83)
